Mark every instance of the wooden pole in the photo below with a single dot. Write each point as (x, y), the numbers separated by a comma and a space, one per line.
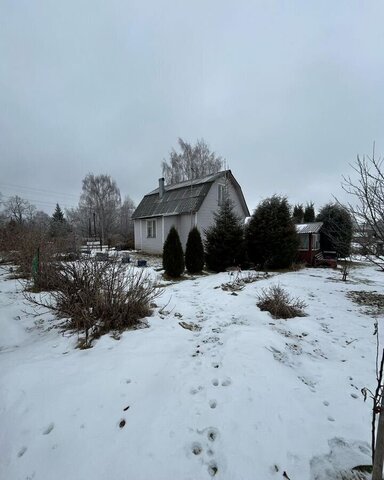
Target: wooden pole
(377, 472)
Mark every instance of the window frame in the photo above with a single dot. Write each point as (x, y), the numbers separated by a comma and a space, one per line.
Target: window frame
(315, 241)
(302, 247)
(151, 228)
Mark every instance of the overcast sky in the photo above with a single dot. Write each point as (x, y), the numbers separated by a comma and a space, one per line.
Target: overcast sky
(289, 92)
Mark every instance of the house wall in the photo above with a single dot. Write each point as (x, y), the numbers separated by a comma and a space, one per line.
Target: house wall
(182, 224)
(211, 205)
(149, 245)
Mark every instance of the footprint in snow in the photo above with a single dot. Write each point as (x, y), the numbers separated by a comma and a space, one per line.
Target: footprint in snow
(213, 403)
(212, 468)
(212, 434)
(225, 383)
(196, 448)
(193, 391)
(326, 403)
(49, 429)
(22, 451)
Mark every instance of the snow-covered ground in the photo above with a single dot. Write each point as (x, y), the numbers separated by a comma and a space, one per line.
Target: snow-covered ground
(246, 397)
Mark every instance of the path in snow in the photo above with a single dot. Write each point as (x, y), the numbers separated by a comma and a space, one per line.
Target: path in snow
(245, 397)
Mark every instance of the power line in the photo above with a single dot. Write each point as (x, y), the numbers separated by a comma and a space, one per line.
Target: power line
(40, 190)
(41, 202)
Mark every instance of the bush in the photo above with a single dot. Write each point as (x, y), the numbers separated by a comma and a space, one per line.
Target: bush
(271, 237)
(224, 245)
(97, 297)
(280, 304)
(194, 252)
(20, 245)
(173, 257)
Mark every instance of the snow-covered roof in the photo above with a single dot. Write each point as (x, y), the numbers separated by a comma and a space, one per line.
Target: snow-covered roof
(313, 227)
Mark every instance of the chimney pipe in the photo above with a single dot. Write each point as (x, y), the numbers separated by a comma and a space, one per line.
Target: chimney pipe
(161, 187)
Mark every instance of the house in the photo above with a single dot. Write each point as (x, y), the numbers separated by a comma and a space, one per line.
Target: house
(184, 205)
(368, 239)
(309, 235)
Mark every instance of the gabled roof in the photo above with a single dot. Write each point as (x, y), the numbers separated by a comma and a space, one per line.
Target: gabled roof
(313, 227)
(183, 197)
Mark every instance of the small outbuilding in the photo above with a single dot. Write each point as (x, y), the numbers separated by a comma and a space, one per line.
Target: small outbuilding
(309, 235)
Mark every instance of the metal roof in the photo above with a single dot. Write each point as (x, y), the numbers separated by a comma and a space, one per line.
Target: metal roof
(188, 183)
(309, 227)
(184, 197)
(174, 202)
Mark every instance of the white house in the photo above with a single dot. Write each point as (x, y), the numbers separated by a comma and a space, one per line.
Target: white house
(184, 205)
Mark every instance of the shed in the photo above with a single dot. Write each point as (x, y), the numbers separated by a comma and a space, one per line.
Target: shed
(309, 235)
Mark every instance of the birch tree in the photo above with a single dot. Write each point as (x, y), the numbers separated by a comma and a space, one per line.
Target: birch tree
(101, 197)
(192, 161)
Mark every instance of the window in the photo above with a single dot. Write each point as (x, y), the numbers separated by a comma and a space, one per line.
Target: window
(316, 241)
(304, 242)
(221, 194)
(151, 228)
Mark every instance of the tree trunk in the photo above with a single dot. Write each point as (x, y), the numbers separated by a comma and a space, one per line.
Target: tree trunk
(377, 473)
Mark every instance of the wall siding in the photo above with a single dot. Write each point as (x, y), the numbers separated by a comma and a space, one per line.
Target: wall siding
(211, 204)
(149, 245)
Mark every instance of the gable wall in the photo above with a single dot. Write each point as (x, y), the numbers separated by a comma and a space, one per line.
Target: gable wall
(211, 205)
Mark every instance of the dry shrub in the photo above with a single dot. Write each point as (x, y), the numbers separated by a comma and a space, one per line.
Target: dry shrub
(20, 244)
(280, 304)
(98, 297)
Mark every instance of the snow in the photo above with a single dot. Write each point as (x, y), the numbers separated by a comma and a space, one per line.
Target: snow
(246, 397)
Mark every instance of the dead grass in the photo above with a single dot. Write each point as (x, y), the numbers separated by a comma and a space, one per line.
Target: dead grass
(280, 304)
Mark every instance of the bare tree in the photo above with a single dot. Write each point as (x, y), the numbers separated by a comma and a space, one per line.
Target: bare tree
(193, 161)
(19, 210)
(101, 197)
(126, 224)
(367, 207)
(41, 221)
(367, 210)
(80, 220)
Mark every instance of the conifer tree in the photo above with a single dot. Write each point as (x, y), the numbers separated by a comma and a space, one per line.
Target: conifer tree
(173, 256)
(58, 215)
(271, 237)
(298, 213)
(336, 232)
(194, 252)
(309, 213)
(224, 240)
(59, 226)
